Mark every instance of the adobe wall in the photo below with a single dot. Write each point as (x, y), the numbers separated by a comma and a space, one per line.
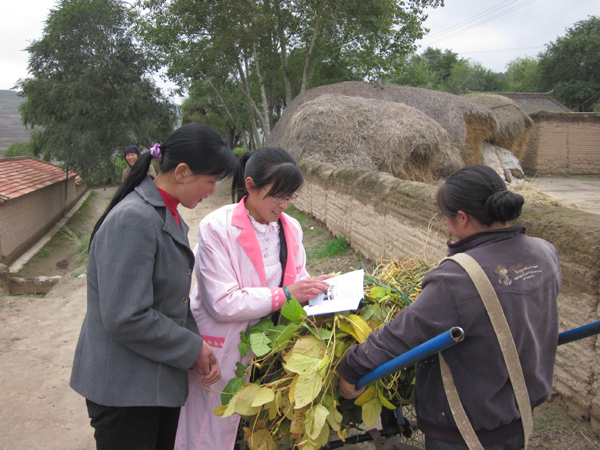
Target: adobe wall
(27, 218)
(384, 217)
(563, 143)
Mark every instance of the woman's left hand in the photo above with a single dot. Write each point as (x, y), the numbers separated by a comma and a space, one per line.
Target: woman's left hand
(349, 390)
(206, 364)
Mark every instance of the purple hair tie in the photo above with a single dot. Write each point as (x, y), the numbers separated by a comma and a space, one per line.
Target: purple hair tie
(155, 151)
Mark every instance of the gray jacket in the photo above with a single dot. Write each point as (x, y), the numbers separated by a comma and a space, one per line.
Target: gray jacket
(138, 338)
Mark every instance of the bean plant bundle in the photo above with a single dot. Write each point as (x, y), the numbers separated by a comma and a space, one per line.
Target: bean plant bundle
(292, 398)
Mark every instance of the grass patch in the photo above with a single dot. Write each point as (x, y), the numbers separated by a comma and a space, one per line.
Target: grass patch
(333, 248)
(76, 274)
(43, 253)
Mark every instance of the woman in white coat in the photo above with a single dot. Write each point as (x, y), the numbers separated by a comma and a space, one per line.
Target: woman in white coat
(245, 271)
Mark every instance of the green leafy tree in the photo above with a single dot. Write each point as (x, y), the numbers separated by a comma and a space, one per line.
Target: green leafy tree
(571, 65)
(473, 76)
(522, 75)
(271, 51)
(90, 94)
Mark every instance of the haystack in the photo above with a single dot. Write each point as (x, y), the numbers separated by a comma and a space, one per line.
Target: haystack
(369, 134)
(511, 123)
(468, 123)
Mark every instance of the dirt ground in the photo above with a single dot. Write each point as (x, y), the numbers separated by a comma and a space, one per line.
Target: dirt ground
(38, 409)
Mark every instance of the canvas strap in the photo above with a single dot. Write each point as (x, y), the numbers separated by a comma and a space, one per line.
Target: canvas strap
(509, 352)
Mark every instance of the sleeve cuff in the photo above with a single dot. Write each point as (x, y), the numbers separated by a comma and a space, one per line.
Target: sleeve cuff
(347, 373)
(277, 299)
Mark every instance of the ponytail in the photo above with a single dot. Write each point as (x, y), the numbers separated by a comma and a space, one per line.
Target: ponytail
(195, 144)
(139, 170)
(267, 165)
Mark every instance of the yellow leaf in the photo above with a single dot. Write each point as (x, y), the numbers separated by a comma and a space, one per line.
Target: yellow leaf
(334, 419)
(261, 440)
(317, 417)
(264, 395)
(323, 437)
(297, 426)
(366, 396)
(340, 349)
(347, 327)
(298, 363)
(384, 401)
(292, 390)
(308, 387)
(219, 410)
(230, 411)
(243, 405)
(308, 346)
(361, 328)
(371, 412)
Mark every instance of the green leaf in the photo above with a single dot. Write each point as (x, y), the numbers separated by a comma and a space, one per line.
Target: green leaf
(234, 385)
(292, 310)
(260, 344)
(371, 412)
(244, 348)
(286, 334)
(308, 387)
(262, 326)
(240, 369)
(320, 333)
(300, 363)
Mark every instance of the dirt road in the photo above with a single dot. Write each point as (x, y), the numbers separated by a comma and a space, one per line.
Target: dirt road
(38, 409)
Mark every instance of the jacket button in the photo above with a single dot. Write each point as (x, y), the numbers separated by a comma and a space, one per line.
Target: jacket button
(189, 272)
(184, 299)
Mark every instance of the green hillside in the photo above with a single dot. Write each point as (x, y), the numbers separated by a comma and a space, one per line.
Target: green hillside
(11, 126)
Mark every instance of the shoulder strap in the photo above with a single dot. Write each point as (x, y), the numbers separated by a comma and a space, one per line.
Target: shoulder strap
(507, 345)
(283, 253)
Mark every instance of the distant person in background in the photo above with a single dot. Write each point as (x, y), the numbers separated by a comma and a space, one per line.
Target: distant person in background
(132, 153)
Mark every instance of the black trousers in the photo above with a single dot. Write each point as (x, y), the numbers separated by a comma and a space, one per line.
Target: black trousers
(133, 428)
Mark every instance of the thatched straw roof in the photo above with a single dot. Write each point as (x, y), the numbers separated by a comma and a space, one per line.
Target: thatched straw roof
(511, 123)
(369, 134)
(468, 124)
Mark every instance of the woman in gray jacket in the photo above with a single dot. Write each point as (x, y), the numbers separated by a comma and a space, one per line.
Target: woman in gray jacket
(138, 338)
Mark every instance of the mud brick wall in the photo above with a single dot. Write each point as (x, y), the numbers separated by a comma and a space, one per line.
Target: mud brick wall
(25, 219)
(563, 143)
(383, 217)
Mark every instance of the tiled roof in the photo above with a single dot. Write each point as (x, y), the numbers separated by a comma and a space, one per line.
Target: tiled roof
(20, 175)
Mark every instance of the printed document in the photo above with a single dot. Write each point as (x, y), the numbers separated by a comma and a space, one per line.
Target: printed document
(344, 294)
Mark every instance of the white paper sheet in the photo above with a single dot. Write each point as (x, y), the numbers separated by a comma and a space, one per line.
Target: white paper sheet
(344, 294)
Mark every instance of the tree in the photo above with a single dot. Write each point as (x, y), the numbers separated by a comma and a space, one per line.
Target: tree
(90, 94)
(523, 75)
(274, 50)
(473, 76)
(571, 65)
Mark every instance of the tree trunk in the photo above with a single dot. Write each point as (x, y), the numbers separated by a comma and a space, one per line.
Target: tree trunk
(283, 41)
(311, 47)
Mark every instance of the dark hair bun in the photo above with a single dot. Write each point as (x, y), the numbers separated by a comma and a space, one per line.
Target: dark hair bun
(503, 206)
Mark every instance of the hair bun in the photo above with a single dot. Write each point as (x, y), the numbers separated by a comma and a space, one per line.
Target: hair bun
(504, 205)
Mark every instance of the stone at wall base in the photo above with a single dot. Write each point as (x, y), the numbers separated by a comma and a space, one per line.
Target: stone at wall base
(36, 285)
(4, 279)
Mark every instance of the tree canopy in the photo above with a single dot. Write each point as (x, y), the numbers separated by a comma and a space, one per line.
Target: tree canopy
(90, 93)
(264, 53)
(571, 65)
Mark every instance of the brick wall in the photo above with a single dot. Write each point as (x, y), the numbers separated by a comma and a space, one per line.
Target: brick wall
(563, 143)
(27, 218)
(382, 216)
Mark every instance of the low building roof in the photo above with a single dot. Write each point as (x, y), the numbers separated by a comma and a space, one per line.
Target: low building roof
(20, 175)
(532, 102)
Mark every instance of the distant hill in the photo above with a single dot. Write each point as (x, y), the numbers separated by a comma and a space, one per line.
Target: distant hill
(11, 126)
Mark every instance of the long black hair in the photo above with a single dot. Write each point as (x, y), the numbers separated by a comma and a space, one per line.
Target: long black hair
(197, 145)
(479, 192)
(265, 166)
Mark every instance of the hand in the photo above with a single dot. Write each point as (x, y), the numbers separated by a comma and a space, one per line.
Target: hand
(206, 364)
(308, 288)
(349, 390)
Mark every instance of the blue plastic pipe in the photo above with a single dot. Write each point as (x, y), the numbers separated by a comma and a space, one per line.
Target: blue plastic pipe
(579, 333)
(447, 339)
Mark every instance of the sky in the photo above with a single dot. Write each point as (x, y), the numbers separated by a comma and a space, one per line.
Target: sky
(492, 32)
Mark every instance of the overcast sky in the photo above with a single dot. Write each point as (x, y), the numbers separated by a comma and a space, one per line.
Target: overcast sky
(492, 32)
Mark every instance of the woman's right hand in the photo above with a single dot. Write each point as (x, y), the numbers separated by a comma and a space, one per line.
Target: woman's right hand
(206, 364)
(308, 288)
